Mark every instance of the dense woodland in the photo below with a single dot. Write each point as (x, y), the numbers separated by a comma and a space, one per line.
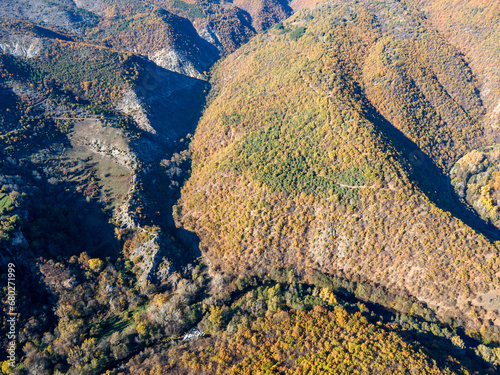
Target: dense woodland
(205, 187)
(334, 157)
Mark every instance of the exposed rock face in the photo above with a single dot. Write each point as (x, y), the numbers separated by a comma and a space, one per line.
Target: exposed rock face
(149, 256)
(168, 57)
(240, 193)
(193, 335)
(174, 97)
(130, 105)
(94, 6)
(22, 46)
(207, 32)
(175, 60)
(173, 94)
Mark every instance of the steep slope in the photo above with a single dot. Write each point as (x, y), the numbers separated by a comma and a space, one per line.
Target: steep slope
(95, 112)
(168, 40)
(263, 332)
(330, 234)
(265, 13)
(80, 116)
(78, 74)
(473, 27)
(321, 149)
(186, 37)
(62, 14)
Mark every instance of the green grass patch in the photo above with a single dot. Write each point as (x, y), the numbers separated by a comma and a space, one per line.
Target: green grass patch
(5, 202)
(116, 323)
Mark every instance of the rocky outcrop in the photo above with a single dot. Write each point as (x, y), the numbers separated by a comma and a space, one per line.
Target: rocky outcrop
(131, 105)
(149, 256)
(207, 32)
(22, 46)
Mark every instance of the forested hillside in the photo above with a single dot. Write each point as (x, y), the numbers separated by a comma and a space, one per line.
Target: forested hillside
(325, 146)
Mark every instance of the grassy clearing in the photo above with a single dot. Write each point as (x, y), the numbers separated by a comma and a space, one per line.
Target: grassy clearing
(117, 323)
(5, 202)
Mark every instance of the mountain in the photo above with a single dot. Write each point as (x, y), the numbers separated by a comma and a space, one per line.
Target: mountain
(325, 147)
(105, 79)
(257, 186)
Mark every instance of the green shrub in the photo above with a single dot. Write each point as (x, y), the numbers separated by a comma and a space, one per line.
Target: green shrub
(297, 33)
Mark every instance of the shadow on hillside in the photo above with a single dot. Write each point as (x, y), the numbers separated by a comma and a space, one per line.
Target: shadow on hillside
(178, 103)
(428, 177)
(439, 349)
(162, 189)
(436, 347)
(174, 103)
(61, 221)
(420, 326)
